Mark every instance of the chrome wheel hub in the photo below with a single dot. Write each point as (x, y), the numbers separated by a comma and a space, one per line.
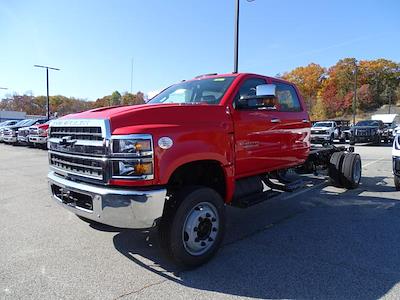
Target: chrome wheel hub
(200, 228)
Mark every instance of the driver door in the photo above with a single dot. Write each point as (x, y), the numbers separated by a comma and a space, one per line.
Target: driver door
(257, 134)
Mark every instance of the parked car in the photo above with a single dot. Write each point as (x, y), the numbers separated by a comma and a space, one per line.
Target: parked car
(367, 131)
(38, 135)
(10, 134)
(6, 124)
(324, 131)
(388, 132)
(390, 121)
(23, 136)
(396, 161)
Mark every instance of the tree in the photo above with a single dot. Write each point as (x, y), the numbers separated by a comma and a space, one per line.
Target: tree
(309, 80)
(115, 98)
(132, 99)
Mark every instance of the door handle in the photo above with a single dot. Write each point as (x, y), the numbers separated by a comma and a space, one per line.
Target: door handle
(305, 121)
(275, 120)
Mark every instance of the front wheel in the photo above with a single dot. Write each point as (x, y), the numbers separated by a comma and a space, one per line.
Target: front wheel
(193, 225)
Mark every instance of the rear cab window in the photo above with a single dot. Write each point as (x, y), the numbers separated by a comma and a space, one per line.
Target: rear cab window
(288, 100)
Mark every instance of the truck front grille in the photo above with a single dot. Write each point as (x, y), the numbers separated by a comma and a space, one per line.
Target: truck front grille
(33, 131)
(362, 132)
(77, 133)
(78, 148)
(77, 165)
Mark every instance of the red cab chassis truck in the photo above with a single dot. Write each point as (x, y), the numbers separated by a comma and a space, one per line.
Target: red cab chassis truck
(177, 161)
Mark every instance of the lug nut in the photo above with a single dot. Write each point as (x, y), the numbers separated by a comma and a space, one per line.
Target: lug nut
(213, 219)
(210, 239)
(208, 215)
(214, 229)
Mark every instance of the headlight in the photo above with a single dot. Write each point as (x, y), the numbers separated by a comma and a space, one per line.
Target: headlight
(131, 146)
(42, 132)
(132, 156)
(132, 168)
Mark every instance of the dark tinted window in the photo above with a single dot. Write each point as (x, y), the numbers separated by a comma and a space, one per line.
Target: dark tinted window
(248, 88)
(287, 97)
(368, 123)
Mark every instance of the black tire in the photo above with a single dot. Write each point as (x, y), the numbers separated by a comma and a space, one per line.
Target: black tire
(351, 170)
(331, 139)
(378, 141)
(352, 142)
(397, 182)
(335, 168)
(180, 209)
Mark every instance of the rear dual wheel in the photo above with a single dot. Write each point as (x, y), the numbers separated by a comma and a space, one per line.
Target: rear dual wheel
(345, 169)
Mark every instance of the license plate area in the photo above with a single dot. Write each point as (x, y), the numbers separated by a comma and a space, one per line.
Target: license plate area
(72, 198)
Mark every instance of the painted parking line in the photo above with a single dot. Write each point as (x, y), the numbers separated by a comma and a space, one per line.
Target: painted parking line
(372, 162)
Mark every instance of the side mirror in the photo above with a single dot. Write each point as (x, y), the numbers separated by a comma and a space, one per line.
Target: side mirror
(265, 97)
(266, 91)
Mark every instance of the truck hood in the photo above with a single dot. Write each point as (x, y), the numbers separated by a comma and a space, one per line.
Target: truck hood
(139, 118)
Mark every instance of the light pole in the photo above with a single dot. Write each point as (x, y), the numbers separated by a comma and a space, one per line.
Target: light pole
(236, 42)
(355, 92)
(47, 85)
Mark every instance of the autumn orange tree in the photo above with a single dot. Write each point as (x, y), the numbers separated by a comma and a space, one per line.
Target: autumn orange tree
(309, 80)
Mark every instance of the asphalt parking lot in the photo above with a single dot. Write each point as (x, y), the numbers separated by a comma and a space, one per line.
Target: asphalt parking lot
(321, 242)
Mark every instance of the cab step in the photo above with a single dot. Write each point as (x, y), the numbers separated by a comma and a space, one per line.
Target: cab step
(254, 199)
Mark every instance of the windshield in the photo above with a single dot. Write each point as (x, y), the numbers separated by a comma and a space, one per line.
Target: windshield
(391, 125)
(23, 122)
(208, 91)
(322, 124)
(367, 123)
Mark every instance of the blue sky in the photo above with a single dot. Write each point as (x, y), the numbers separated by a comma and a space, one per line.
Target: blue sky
(93, 41)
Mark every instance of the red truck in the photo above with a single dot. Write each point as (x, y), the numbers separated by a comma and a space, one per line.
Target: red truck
(178, 160)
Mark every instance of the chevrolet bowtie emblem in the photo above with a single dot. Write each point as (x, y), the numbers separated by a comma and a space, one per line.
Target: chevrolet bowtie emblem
(67, 141)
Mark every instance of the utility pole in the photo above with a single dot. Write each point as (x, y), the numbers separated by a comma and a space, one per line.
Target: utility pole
(47, 86)
(355, 92)
(236, 46)
(236, 38)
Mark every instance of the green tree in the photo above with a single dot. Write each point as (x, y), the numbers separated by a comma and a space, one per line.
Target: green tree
(115, 98)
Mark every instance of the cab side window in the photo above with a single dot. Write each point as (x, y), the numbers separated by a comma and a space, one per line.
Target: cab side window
(248, 88)
(287, 98)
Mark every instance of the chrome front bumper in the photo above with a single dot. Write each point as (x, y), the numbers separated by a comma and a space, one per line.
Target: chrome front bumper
(320, 137)
(122, 208)
(23, 139)
(10, 139)
(38, 139)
